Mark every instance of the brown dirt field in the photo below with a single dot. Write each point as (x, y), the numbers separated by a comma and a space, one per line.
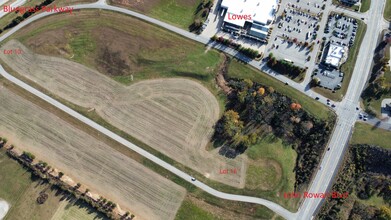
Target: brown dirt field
(83, 158)
(174, 116)
(119, 45)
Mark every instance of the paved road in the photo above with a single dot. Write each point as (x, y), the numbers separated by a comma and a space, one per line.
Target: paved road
(345, 110)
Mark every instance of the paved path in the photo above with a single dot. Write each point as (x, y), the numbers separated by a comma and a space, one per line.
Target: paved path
(345, 110)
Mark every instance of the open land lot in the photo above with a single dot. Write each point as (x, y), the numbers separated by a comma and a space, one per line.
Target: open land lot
(98, 166)
(174, 116)
(177, 12)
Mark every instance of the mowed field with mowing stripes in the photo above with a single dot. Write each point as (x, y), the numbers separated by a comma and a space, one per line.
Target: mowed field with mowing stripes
(172, 115)
(88, 161)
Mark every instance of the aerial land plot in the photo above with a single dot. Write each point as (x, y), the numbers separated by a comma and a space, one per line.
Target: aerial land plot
(174, 116)
(83, 158)
(148, 52)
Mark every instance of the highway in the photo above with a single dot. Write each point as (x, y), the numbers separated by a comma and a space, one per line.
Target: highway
(347, 115)
(345, 110)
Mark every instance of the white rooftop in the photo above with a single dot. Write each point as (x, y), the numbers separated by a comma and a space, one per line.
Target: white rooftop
(260, 10)
(335, 54)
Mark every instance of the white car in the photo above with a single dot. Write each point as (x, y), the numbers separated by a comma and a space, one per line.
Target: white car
(193, 179)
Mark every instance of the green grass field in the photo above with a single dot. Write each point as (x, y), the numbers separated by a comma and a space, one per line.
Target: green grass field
(241, 71)
(77, 210)
(367, 134)
(190, 211)
(173, 12)
(365, 5)
(348, 67)
(272, 148)
(387, 10)
(179, 13)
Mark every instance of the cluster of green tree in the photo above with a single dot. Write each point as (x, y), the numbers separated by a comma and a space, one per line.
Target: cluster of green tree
(366, 172)
(254, 110)
(27, 14)
(378, 85)
(251, 53)
(285, 67)
(28, 156)
(200, 15)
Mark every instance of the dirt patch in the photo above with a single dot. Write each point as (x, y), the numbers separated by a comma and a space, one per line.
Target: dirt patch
(119, 55)
(222, 74)
(83, 158)
(117, 51)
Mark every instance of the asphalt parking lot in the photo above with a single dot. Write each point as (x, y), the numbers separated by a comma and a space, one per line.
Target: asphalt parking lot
(296, 29)
(341, 30)
(329, 78)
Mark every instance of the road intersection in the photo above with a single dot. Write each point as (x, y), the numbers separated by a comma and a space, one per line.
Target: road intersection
(345, 110)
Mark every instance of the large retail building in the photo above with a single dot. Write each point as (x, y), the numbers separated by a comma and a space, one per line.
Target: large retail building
(249, 17)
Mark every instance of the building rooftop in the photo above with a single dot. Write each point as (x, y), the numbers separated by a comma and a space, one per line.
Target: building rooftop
(335, 54)
(261, 11)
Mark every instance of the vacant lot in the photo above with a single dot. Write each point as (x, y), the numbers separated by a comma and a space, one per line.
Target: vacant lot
(98, 166)
(174, 116)
(177, 12)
